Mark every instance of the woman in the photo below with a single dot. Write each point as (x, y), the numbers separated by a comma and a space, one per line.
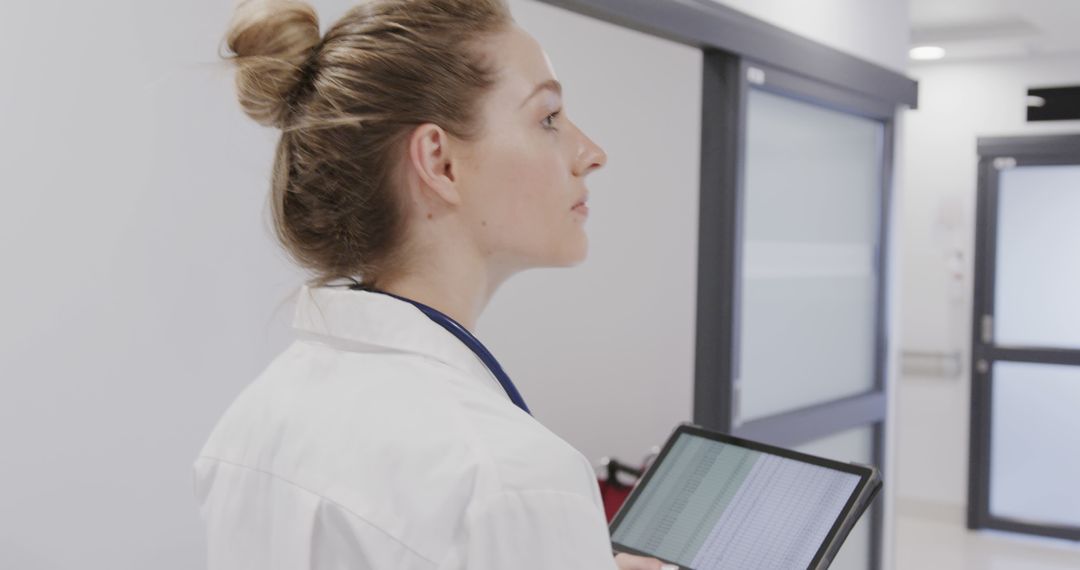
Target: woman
(423, 150)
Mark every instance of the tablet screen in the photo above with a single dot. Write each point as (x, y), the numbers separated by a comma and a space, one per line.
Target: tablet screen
(710, 505)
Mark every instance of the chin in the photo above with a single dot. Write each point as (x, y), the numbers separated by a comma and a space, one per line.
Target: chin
(564, 253)
(575, 254)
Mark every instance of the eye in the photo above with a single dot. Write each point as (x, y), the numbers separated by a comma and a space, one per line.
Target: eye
(552, 117)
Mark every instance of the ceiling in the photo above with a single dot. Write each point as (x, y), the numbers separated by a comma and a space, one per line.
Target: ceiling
(981, 29)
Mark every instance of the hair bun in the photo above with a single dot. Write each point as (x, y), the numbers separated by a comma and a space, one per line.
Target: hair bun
(271, 40)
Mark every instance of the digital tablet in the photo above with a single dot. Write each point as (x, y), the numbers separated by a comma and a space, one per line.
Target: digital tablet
(715, 502)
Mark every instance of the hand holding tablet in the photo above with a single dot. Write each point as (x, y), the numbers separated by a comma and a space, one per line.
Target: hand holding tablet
(716, 502)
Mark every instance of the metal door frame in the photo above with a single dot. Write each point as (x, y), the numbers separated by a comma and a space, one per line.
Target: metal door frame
(997, 154)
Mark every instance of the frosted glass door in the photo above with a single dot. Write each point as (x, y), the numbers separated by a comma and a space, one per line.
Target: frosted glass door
(1038, 257)
(809, 279)
(1035, 454)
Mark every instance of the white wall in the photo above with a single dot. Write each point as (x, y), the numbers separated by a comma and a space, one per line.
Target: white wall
(959, 102)
(141, 285)
(144, 289)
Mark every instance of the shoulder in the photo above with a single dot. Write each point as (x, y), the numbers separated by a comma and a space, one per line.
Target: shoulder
(398, 442)
(391, 434)
(352, 408)
(314, 399)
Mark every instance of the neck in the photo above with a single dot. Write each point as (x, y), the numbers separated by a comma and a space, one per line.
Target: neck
(459, 290)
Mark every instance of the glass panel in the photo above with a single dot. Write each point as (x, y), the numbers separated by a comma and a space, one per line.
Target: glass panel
(852, 445)
(1035, 438)
(1037, 271)
(813, 183)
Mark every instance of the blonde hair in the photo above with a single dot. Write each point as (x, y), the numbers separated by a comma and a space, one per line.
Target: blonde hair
(346, 104)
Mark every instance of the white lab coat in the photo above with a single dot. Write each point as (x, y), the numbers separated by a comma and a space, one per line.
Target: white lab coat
(378, 440)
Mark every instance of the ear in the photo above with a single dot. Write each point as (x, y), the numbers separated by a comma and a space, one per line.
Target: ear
(430, 157)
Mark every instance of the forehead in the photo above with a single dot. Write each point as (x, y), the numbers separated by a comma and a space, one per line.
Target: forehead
(522, 64)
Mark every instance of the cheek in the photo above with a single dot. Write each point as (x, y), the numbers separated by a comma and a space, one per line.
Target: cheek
(521, 189)
(523, 205)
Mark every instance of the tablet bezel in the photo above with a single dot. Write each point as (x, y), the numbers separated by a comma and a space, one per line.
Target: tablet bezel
(867, 477)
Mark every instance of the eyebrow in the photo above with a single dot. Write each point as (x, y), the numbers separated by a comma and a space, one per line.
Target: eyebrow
(550, 84)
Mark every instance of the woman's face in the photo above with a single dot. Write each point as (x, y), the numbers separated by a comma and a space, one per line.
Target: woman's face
(523, 182)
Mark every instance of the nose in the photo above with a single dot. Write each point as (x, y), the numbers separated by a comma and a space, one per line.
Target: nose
(590, 156)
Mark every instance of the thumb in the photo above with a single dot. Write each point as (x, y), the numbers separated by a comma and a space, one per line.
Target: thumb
(630, 562)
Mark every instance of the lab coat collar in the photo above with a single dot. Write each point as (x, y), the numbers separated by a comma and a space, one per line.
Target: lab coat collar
(358, 321)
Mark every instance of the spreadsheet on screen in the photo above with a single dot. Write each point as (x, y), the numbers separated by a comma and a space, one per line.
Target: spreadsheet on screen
(714, 506)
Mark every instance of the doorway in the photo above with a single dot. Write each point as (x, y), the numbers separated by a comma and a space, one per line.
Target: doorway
(1025, 388)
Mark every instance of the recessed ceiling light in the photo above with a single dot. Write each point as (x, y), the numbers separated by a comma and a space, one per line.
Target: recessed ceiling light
(923, 53)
